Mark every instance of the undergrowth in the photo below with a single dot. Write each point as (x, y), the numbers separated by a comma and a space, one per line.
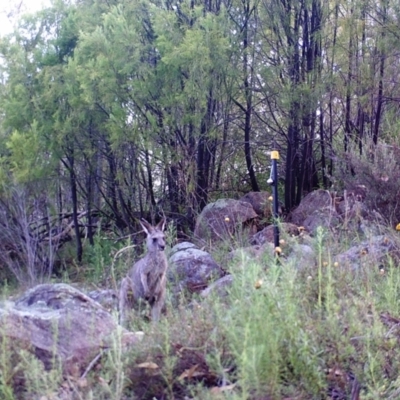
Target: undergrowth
(281, 333)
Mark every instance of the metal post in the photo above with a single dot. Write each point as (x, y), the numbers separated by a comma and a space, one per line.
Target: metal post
(273, 181)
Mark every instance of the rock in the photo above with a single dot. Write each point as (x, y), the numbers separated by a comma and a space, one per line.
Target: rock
(299, 254)
(267, 234)
(369, 228)
(302, 256)
(220, 287)
(260, 203)
(250, 253)
(370, 253)
(350, 208)
(191, 269)
(223, 219)
(59, 322)
(346, 213)
(316, 209)
(108, 298)
(325, 217)
(351, 205)
(181, 247)
(314, 201)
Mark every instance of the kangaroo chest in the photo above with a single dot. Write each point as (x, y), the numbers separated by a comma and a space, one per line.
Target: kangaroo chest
(157, 270)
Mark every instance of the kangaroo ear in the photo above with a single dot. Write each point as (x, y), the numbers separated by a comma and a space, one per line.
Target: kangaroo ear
(161, 225)
(146, 226)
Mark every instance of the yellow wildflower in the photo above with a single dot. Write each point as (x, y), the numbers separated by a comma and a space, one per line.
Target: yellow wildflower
(278, 250)
(258, 283)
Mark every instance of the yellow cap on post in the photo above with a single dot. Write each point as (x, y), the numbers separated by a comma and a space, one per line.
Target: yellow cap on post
(274, 155)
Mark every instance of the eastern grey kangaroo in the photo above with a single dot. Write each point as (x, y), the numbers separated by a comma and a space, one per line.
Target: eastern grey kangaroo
(147, 278)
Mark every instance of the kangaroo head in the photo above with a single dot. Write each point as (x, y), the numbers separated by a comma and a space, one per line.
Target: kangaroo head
(155, 235)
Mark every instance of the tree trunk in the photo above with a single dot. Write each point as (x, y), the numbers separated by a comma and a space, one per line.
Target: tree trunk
(247, 71)
(382, 57)
(74, 197)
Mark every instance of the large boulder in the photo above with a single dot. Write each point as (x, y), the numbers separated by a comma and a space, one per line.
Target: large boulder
(219, 287)
(267, 234)
(223, 219)
(57, 322)
(345, 213)
(191, 269)
(260, 201)
(316, 209)
(325, 217)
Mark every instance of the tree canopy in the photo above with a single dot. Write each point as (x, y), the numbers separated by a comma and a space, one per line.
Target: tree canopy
(119, 109)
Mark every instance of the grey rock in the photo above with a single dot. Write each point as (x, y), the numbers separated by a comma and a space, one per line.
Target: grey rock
(222, 219)
(219, 287)
(267, 234)
(108, 298)
(191, 268)
(313, 201)
(260, 203)
(369, 253)
(250, 253)
(57, 322)
(302, 256)
(325, 217)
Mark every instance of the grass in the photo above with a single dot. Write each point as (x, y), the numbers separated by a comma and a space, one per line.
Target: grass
(281, 333)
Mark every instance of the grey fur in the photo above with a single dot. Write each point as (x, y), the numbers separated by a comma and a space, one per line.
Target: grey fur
(147, 278)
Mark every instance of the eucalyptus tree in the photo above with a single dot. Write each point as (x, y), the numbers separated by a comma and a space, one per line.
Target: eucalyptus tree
(198, 60)
(131, 107)
(41, 111)
(35, 109)
(159, 80)
(245, 42)
(366, 52)
(292, 85)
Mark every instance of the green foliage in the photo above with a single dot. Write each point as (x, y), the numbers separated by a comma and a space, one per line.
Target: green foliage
(280, 331)
(25, 160)
(104, 257)
(97, 258)
(38, 380)
(6, 372)
(132, 102)
(274, 341)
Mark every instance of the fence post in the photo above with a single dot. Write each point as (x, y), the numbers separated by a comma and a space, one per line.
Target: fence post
(273, 181)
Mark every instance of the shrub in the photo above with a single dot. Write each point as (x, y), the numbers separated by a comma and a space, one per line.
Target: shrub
(28, 239)
(378, 169)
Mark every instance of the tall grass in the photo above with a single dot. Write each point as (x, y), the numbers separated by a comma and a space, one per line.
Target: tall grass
(280, 332)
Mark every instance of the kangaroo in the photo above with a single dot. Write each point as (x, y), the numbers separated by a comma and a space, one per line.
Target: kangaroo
(147, 278)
